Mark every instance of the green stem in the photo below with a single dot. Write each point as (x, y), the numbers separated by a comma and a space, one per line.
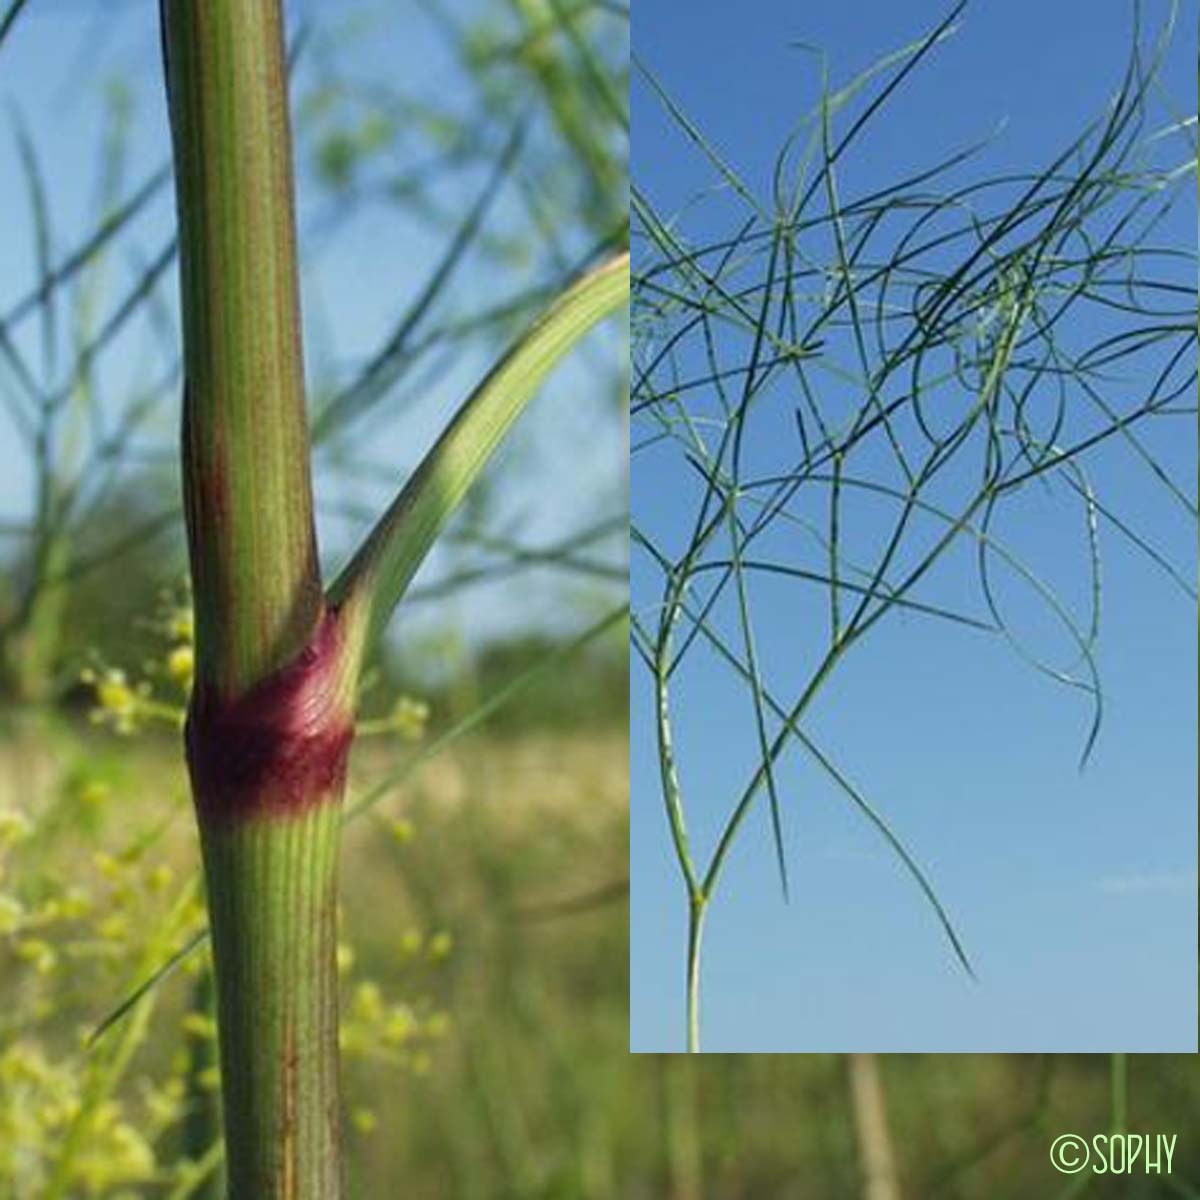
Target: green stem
(682, 1144)
(270, 719)
(268, 775)
(1118, 1074)
(247, 485)
(271, 715)
(272, 903)
(696, 913)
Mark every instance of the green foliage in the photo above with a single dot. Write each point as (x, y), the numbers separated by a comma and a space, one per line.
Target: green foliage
(939, 345)
(561, 68)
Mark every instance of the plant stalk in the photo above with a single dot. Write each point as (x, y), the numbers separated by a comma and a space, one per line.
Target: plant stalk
(272, 907)
(270, 720)
(268, 777)
(247, 485)
(696, 913)
(876, 1159)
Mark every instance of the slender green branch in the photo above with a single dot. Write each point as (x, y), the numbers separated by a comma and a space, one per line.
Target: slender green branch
(10, 15)
(697, 910)
(372, 583)
(918, 333)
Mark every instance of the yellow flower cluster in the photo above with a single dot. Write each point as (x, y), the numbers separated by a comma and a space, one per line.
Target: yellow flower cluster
(78, 923)
(399, 1034)
(127, 706)
(40, 1101)
(381, 1031)
(408, 718)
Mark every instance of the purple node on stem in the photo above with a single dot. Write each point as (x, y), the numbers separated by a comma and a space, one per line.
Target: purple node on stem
(279, 748)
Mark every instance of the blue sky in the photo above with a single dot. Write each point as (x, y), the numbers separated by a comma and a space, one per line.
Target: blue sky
(566, 467)
(1075, 892)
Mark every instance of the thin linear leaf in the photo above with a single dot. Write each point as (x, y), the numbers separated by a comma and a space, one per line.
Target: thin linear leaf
(376, 578)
